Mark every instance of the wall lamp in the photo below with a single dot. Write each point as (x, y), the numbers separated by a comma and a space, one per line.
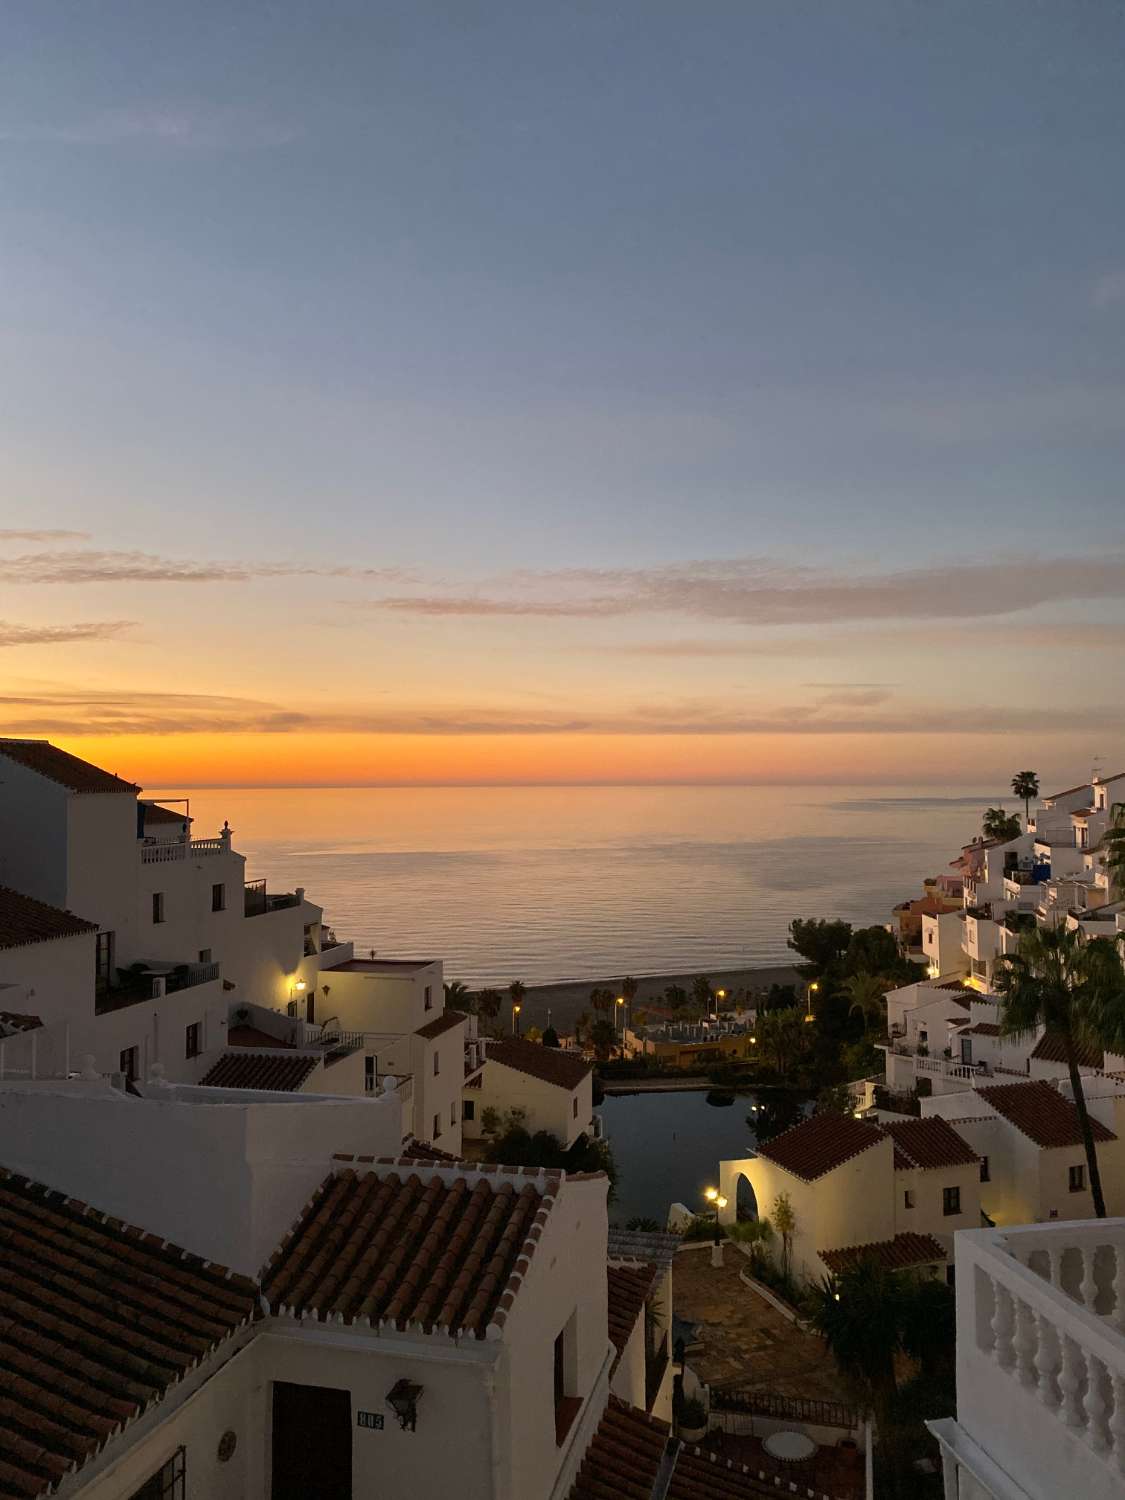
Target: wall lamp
(402, 1398)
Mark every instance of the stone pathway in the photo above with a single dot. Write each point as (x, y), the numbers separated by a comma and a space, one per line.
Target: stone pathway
(746, 1341)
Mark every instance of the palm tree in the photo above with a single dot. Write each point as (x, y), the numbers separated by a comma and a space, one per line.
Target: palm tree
(859, 1315)
(629, 988)
(601, 999)
(517, 989)
(702, 994)
(781, 1036)
(866, 991)
(604, 1037)
(582, 1027)
(1077, 991)
(676, 996)
(488, 1004)
(456, 993)
(1115, 849)
(998, 824)
(1025, 785)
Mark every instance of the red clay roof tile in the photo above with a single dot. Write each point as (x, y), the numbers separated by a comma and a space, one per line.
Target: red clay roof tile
(899, 1254)
(430, 1249)
(1041, 1113)
(928, 1143)
(97, 1320)
(629, 1287)
(565, 1070)
(1050, 1048)
(67, 770)
(441, 1024)
(276, 1070)
(24, 920)
(820, 1144)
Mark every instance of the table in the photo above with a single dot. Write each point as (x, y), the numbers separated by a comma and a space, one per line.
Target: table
(788, 1446)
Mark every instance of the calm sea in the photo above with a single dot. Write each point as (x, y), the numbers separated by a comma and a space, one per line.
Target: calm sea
(572, 883)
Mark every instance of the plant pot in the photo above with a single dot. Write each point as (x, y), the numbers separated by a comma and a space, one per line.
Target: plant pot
(693, 1434)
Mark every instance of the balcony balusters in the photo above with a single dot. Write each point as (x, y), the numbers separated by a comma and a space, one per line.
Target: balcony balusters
(1070, 1381)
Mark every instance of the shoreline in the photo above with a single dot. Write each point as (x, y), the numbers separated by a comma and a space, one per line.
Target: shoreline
(568, 998)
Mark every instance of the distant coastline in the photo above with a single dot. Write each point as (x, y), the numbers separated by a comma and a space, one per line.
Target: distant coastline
(567, 999)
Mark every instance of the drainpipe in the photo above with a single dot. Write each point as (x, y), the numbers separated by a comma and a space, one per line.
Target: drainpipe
(868, 1461)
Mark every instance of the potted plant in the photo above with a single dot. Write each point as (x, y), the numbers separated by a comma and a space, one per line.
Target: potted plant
(693, 1421)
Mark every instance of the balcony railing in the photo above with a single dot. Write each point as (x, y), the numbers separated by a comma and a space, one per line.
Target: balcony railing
(1047, 1311)
(257, 900)
(162, 854)
(136, 986)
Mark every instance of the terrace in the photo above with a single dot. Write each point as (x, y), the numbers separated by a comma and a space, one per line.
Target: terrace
(146, 981)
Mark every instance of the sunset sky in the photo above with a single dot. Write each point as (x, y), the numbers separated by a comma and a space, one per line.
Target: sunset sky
(501, 392)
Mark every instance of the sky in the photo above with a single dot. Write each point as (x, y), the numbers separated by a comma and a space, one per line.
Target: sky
(529, 392)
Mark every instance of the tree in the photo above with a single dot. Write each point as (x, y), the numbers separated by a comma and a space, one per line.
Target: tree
(488, 1004)
(859, 1316)
(456, 994)
(872, 950)
(676, 996)
(1077, 991)
(865, 995)
(1025, 785)
(639, 1018)
(785, 1223)
(550, 1037)
(582, 1027)
(702, 995)
(517, 989)
(533, 1034)
(603, 1035)
(819, 943)
(781, 1037)
(1114, 840)
(1001, 825)
(834, 1099)
(629, 988)
(644, 1226)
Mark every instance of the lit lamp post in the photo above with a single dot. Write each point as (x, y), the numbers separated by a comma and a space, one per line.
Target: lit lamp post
(719, 995)
(713, 1195)
(621, 1012)
(516, 1018)
(809, 1016)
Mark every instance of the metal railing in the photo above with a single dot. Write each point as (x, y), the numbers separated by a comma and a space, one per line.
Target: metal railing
(256, 899)
(737, 1399)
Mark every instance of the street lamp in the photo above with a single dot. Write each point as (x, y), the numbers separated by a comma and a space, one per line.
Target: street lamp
(713, 1195)
(621, 1012)
(516, 1018)
(809, 1016)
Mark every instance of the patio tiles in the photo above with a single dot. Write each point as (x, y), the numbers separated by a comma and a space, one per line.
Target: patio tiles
(746, 1342)
(830, 1471)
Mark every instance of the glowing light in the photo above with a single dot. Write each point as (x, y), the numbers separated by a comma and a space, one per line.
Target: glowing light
(711, 1194)
(300, 985)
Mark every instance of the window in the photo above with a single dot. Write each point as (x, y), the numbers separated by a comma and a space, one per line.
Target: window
(575, 1109)
(984, 1176)
(429, 997)
(437, 1063)
(204, 955)
(908, 1199)
(103, 961)
(168, 1483)
(369, 1075)
(1077, 1179)
(191, 1040)
(453, 1114)
(437, 1127)
(127, 1063)
(218, 898)
(950, 1201)
(158, 906)
(468, 1110)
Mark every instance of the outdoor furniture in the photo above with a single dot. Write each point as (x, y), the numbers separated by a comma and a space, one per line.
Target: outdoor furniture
(789, 1447)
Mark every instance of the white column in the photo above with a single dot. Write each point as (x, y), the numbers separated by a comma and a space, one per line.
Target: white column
(1117, 1423)
(1002, 1326)
(1070, 1378)
(1047, 1361)
(1025, 1344)
(1094, 1404)
(1119, 1287)
(1089, 1287)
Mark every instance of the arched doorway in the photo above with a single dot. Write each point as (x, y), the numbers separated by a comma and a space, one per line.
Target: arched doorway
(745, 1199)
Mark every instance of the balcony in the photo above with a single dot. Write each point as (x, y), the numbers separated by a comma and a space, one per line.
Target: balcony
(257, 901)
(162, 854)
(143, 982)
(1041, 1354)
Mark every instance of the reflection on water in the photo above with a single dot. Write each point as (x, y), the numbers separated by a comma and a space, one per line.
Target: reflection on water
(668, 1147)
(550, 883)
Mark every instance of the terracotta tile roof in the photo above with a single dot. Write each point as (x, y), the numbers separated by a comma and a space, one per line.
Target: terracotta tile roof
(277, 1071)
(56, 765)
(899, 1254)
(628, 1288)
(441, 1024)
(473, 1083)
(250, 1036)
(820, 1144)
(623, 1456)
(565, 1070)
(1041, 1113)
(960, 994)
(928, 1143)
(1067, 791)
(980, 1028)
(406, 1250)
(24, 920)
(12, 1021)
(420, 1151)
(97, 1320)
(1049, 1048)
(657, 1246)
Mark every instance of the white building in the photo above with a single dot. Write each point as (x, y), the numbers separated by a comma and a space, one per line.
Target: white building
(1040, 1364)
(552, 1089)
(896, 1192)
(289, 1323)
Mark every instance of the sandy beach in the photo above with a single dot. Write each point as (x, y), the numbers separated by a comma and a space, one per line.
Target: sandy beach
(568, 1000)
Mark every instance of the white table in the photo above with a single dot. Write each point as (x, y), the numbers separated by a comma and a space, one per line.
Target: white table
(788, 1446)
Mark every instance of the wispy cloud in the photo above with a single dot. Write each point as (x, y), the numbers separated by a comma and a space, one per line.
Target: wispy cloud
(761, 591)
(1109, 290)
(182, 126)
(82, 711)
(91, 566)
(1042, 636)
(53, 635)
(8, 534)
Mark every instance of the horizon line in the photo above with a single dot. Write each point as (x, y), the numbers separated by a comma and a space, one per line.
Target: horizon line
(368, 786)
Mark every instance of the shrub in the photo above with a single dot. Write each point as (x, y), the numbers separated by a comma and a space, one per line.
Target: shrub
(693, 1413)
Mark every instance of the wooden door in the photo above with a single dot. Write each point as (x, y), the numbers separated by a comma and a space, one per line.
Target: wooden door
(312, 1443)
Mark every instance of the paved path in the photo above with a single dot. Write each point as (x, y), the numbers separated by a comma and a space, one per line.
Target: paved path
(746, 1341)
